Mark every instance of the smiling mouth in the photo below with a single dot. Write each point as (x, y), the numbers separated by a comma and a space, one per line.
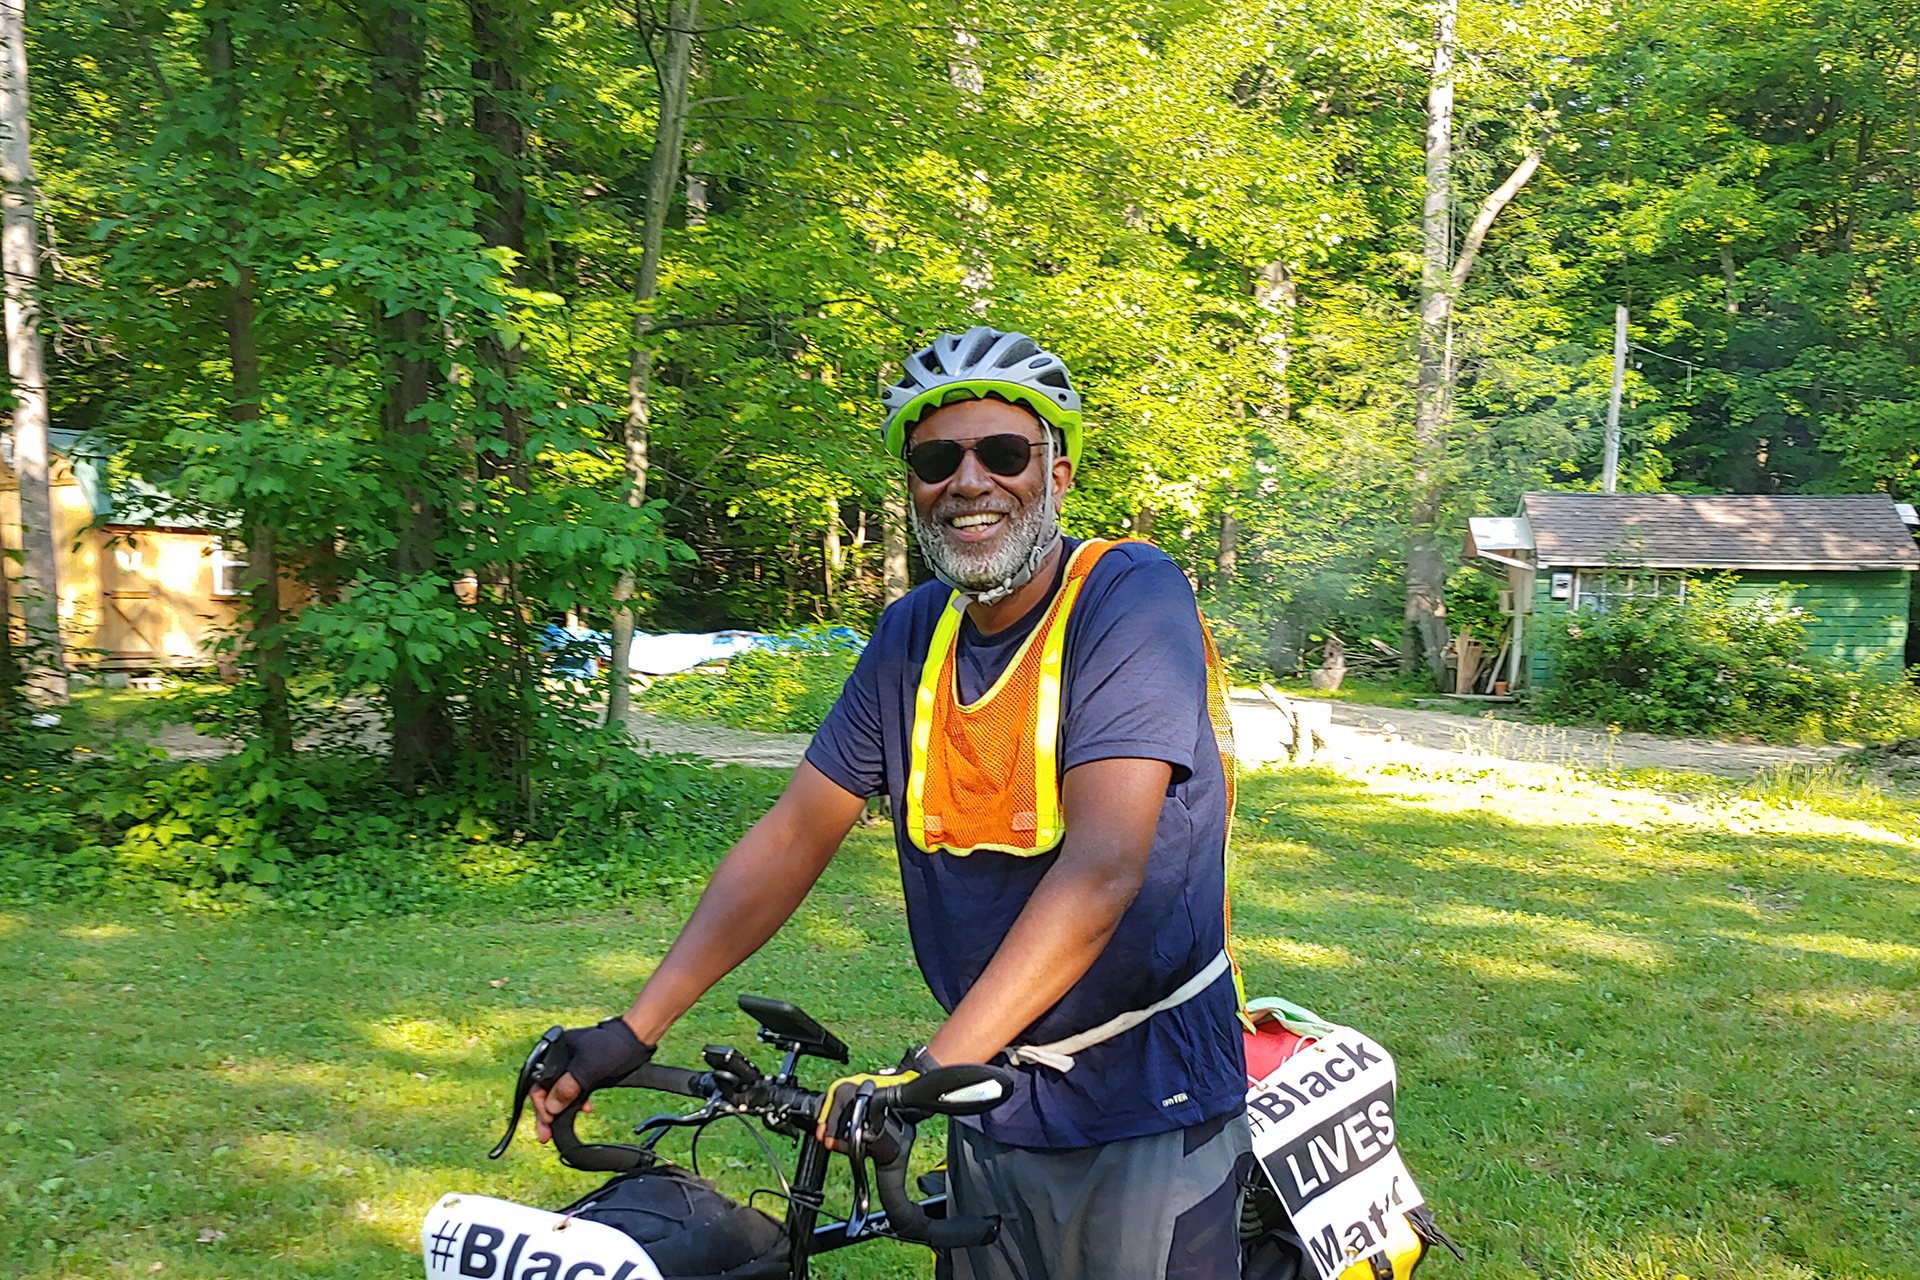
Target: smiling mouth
(977, 520)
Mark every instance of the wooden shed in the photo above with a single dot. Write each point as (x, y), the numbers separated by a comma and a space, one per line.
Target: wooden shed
(1847, 560)
(137, 591)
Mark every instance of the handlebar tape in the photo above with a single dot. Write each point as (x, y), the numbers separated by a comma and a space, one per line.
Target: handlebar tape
(666, 1079)
(594, 1157)
(907, 1220)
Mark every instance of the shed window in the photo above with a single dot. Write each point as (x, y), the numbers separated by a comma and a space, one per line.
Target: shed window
(1598, 590)
(229, 568)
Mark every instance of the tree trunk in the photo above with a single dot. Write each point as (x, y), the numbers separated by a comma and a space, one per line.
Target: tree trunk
(663, 170)
(497, 37)
(10, 708)
(422, 729)
(895, 581)
(832, 555)
(39, 585)
(503, 212)
(1227, 563)
(1731, 274)
(1143, 522)
(1425, 630)
(239, 314)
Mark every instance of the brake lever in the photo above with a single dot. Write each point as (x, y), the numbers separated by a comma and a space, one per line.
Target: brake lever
(545, 1063)
(857, 1156)
(712, 1110)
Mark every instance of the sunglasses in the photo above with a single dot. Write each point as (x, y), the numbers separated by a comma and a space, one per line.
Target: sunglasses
(1004, 455)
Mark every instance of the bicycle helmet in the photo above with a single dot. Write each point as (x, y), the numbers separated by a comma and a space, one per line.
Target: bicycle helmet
(976, 364)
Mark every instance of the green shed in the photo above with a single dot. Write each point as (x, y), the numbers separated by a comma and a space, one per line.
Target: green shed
(1848, 560)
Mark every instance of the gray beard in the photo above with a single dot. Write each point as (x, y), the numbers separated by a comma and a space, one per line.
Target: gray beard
(991, 576)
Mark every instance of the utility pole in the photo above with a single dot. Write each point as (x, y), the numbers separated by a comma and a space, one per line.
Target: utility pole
(1610, 467)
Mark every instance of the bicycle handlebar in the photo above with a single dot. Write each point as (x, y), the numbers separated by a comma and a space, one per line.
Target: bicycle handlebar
(888, 1116)
(950, 1090)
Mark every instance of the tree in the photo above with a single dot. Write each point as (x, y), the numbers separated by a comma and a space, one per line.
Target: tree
(239, 312)
(674, 68)
(26, 361)
(1442, 276)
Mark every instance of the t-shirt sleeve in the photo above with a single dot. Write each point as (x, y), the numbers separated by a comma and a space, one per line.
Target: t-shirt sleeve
(1138, 668)
(848, 747)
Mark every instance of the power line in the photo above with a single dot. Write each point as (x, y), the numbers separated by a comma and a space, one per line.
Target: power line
(1661, 355)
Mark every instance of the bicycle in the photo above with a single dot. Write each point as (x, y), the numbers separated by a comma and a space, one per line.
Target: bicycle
(481, 1238)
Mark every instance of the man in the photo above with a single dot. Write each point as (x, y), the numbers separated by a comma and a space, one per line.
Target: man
(1040, 719)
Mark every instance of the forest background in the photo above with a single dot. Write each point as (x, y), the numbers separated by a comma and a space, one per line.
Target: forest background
(467, 317)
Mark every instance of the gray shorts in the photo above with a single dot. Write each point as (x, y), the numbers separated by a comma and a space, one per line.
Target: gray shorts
(1165, 1207)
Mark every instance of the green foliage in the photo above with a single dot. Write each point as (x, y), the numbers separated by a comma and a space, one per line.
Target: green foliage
(1210, 209)
(328, 834)
(787, 690)
(1638, 1050)
(1714, 664)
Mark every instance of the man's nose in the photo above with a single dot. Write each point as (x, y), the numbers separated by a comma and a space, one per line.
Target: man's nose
(971, 478)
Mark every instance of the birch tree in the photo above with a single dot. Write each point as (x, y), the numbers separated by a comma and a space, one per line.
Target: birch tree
(1442, 276)
(26, 362)
(673, 68)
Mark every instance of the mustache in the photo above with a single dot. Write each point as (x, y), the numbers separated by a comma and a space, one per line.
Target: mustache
(947, 508)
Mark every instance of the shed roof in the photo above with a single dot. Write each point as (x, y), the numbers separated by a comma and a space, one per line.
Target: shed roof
(1693, 531)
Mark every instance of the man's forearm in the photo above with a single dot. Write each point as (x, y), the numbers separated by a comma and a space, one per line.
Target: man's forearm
(1061, 932)
(1111, 807)
(755, 889)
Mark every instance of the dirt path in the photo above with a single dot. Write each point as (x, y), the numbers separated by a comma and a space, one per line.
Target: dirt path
(1362, 735)
(720, 745)
(1374, 735)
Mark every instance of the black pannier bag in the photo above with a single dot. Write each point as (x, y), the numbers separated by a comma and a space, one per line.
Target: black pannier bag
(689, 1229)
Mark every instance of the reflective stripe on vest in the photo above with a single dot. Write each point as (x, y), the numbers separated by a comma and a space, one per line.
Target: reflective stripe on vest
(972, 753)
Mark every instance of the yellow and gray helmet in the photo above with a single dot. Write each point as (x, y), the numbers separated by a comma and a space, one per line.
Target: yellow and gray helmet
(974, 365)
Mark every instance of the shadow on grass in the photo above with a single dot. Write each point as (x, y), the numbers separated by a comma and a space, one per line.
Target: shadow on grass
(1625, 1052)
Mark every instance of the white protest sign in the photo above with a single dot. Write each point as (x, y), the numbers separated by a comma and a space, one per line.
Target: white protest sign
(480, 1238)
(1323, 1130)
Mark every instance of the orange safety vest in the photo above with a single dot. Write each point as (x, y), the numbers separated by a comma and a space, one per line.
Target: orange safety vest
(985, 775)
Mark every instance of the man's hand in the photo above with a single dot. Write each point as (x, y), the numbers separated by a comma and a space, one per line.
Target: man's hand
(596, 1055)
(842, 1092)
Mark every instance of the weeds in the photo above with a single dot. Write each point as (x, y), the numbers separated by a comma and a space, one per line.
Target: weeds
(788, 689)
(1714, 664)
(328, 834)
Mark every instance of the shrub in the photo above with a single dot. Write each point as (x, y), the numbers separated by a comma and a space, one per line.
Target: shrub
(1713, 664)
(788, 689)
(327, 833)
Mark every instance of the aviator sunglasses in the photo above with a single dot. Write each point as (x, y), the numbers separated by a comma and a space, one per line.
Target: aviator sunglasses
(1004, 455)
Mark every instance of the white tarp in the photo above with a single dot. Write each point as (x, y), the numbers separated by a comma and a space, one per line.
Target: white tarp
(662, 655)
(1323, 1130)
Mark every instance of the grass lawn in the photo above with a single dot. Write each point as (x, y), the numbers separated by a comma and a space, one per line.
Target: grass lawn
(1669, 1042)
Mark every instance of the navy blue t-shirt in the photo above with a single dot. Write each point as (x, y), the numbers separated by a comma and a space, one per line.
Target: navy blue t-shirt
(1135, 687)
